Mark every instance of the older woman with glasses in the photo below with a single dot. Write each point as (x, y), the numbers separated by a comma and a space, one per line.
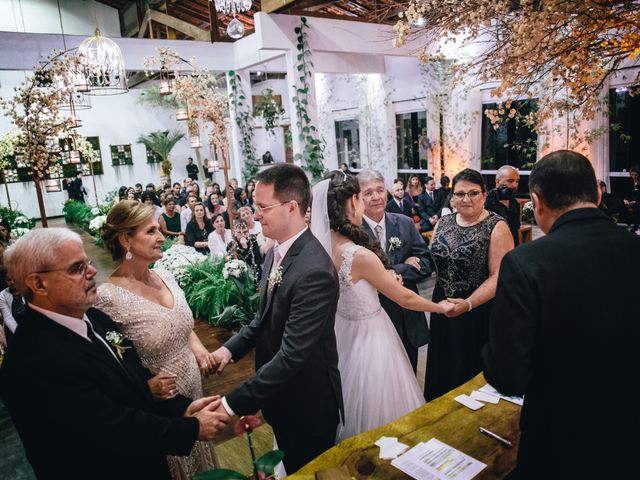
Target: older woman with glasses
(467, 247)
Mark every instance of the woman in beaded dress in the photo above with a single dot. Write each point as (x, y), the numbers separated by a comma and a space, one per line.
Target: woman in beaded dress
(467, 247)
(378, 383)
(152, 312)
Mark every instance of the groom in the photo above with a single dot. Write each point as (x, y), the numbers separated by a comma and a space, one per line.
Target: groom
(297, 382)
(408, 254)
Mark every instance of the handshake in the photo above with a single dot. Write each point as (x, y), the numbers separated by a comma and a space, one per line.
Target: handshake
(211, 415)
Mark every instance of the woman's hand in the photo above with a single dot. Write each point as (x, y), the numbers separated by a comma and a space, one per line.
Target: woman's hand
(206, 363)
(460, 306)
(163, 386)
(445, 307)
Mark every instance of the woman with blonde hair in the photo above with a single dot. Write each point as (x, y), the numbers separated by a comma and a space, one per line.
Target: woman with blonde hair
(152, 312)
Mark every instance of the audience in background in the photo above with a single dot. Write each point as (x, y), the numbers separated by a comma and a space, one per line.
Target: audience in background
(196, 234)
(187, 212)
(443, 192)
(400, 203)
(246, 247)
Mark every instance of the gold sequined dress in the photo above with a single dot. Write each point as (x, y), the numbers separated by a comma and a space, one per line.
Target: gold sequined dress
(161, 337)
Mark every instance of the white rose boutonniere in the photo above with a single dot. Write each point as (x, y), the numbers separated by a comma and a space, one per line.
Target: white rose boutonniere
(275, 277)
(115, 339)
(394, 243)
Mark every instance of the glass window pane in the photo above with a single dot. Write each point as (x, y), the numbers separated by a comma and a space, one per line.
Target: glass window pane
(413, 144)
(348, 143)
(624, 135)
(513, 142)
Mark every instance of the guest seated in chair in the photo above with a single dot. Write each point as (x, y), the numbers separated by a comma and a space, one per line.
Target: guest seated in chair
(427, 206)
(399, 202)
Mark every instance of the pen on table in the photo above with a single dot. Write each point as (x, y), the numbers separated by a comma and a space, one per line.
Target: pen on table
(496, 437)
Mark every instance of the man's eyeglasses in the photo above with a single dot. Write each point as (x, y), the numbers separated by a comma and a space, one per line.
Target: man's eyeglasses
(370, 193)
(77, 269)
(473, 194)
(260, 209)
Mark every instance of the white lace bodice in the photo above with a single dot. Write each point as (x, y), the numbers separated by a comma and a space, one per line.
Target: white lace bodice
(358, 301)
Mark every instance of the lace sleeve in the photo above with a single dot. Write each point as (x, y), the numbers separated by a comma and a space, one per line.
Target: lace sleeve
(344, 274)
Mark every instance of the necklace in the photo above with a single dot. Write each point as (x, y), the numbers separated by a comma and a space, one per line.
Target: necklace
(484, 214)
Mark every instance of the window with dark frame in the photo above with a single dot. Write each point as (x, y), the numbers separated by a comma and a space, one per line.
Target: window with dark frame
(412, 141)
(624, 138)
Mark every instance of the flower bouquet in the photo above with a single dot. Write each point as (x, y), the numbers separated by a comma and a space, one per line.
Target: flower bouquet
(222, 290)
(263, 467)
(177, 259)
(527, 213)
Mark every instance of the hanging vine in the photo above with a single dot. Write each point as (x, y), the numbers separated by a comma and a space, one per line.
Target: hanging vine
(270, 110)
(313, 147)
(244, 120)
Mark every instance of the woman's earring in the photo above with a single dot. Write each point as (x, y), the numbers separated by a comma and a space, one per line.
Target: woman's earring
(129, 255)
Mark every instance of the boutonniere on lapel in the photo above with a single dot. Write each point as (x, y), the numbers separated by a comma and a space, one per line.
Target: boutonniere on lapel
(394, 243)
(115, 339)
(275, 277)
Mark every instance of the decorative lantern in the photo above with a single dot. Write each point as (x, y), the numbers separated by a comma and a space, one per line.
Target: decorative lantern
(52, 185)
(165, 82)
(182, 114)
(213, 166)
(195, 141)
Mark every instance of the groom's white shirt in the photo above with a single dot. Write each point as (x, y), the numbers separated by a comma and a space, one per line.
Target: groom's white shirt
(283, 248)
(372, 225)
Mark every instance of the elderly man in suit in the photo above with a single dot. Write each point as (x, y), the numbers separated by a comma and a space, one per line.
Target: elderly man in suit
(563, 337)
(409, 256)
(297, 382)
(75, 389)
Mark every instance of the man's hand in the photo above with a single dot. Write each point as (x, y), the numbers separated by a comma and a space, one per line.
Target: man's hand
(414, 262)
(163, 386)
(211, 419)
(221, 358)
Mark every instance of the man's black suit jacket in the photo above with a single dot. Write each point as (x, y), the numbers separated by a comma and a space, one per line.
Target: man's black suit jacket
(564, 331)
(410, 325)
(393, 207)
(80, 414)
(297, 382)
(427, 208)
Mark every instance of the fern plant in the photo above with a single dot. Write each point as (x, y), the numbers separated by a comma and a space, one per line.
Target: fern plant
(162, 143)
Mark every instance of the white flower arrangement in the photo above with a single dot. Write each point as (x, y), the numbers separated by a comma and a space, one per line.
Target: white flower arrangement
(527, 211)
(21, 220)
(96, 223)
(275, 277)
(95, 211)
(234, 268)
(176, 260)
(19, 231)
(394, 243)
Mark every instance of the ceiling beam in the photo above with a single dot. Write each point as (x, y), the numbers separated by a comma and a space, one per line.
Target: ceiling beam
(180, 25)
(214, 30)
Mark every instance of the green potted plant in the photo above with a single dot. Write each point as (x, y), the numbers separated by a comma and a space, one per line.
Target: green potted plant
(162, 143)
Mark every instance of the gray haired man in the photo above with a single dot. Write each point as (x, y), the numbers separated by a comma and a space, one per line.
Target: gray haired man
(79, 403)
(408, 253)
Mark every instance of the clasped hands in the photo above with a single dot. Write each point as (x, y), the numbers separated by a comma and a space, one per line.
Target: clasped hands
(460, 306)
(211, 416)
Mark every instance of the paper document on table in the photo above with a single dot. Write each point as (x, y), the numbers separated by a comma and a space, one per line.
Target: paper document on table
(492, 391)
(435, 460)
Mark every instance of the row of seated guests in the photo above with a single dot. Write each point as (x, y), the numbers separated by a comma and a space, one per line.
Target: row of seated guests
(422, 202)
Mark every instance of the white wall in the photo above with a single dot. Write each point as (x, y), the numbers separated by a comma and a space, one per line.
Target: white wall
(79, 17)
(116, 120)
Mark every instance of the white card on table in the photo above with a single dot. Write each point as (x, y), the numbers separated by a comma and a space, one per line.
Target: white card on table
(469, 402)
(484, 397)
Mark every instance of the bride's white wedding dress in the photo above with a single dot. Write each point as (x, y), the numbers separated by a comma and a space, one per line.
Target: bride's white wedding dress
(378, 383)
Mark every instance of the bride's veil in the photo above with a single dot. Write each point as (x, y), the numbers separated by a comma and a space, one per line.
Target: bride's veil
(320, 215)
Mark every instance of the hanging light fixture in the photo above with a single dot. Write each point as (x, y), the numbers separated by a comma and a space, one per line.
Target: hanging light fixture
(52, 185)
(232, 6)
(165, 82)
(195, 141)
(213, 166)
(182, 113)
(104, 64)
(77, 101)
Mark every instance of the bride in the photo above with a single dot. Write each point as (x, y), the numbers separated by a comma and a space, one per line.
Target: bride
(378, 382)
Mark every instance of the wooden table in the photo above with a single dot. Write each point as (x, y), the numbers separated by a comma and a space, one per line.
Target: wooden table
(442, 418)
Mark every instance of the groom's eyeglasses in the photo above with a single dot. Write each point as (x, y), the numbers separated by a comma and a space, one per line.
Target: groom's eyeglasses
(260, 209)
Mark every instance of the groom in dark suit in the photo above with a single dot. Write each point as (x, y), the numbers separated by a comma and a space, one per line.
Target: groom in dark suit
(297, 382)
(564, 331)
(82, 405)
(409, 256)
